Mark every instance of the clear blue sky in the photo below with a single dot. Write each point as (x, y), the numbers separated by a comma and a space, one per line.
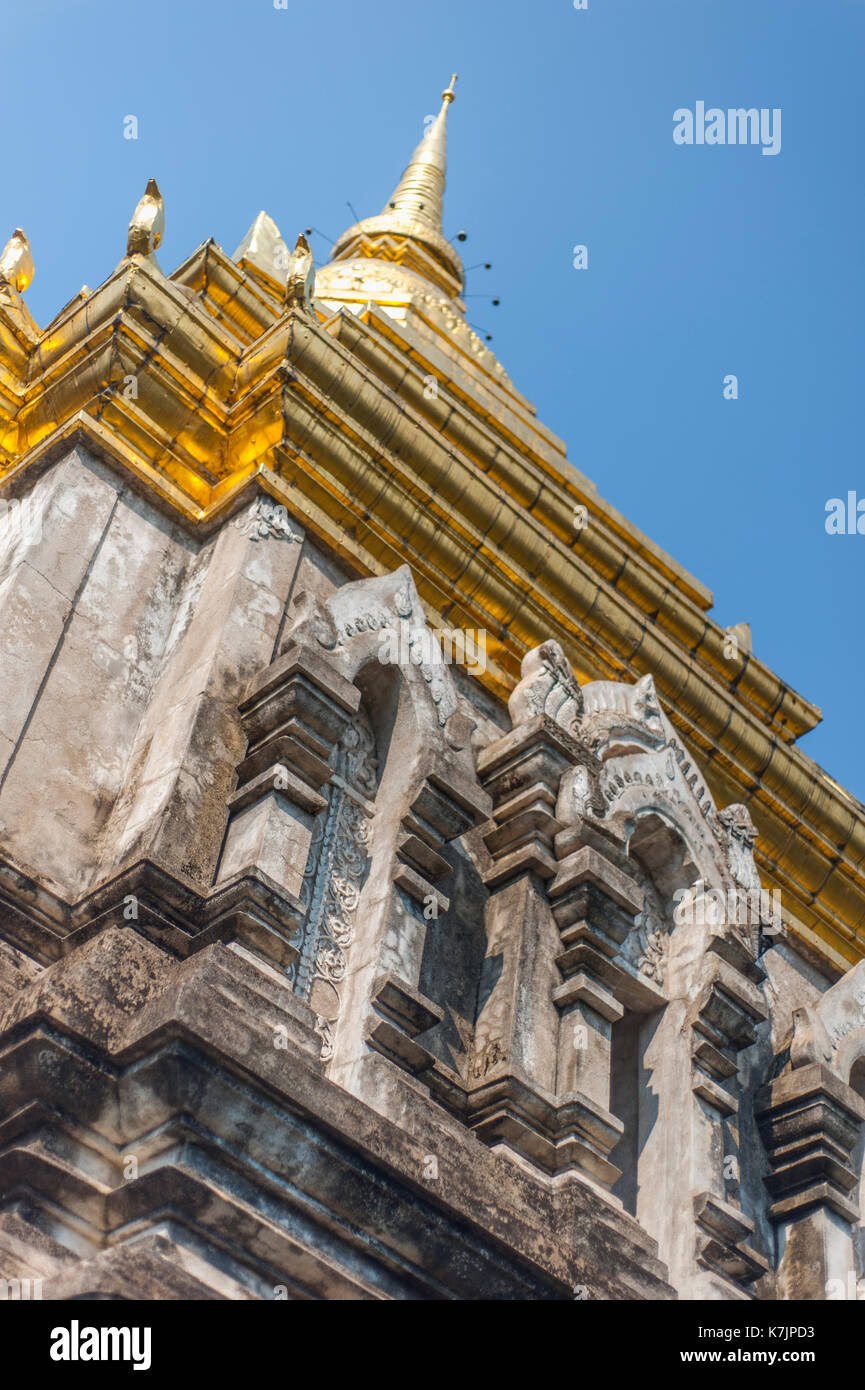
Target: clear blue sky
(702, 261)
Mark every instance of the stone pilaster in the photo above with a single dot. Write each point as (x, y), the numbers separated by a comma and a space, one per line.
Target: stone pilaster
(444, 808)
(293, 716)
(516, 1098)
(595, 901)
(810, 1122)
(715, 1009)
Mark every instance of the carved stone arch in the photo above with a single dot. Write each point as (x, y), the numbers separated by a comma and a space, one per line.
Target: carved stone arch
(666, 869)
(645, 769)
(636, 818)
(380, 623)
(373, 633)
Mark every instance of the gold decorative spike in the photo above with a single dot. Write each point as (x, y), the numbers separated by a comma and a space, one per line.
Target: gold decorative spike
(414, 210)
(420, 191)
(16, 261)
(300, 280)
(148, 223)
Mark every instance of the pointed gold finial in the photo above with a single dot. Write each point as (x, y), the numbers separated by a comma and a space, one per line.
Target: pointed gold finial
(420, 192)
(148, 223)
(16, 261)
(300, 280)
(412, 217)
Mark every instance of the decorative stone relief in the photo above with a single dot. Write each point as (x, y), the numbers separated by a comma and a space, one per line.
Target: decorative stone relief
(548, 686)
(623, 718)
(741, 836)
(646, 947)
(267, 518)
(383, 620)
(832, 1032)
(334, 875)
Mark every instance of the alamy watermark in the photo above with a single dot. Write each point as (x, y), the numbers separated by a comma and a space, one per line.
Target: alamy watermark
(20, 520)
(700, 906)
(435, 646)
(20, 1290)
(77, 1343)
(739, 126)
(846, 518)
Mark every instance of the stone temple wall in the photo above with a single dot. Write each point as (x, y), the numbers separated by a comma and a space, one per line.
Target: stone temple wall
(322, 974)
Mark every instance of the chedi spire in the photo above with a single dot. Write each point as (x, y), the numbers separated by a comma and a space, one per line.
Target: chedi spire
(420, 191)
(411, 222)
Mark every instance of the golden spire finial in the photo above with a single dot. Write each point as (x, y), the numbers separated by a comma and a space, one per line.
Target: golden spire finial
(16, 261)
(420, 192)
(148, 222)
(413, 214)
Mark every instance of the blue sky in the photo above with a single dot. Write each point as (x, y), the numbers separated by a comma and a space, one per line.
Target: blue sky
(703, 261)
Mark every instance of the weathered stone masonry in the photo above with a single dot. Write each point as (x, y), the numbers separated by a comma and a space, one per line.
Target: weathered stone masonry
(331, 974)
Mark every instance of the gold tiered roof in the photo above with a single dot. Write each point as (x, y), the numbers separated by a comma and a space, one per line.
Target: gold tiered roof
(373, 411)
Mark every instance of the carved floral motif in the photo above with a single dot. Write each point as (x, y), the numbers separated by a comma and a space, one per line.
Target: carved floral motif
(548, 687)
(491, 1056)
(334, 875)
(267, 518)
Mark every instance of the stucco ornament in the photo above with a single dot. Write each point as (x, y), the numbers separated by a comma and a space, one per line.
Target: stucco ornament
(549, 687)
(382, 621)
(263, 248)
(16, 262)
(337, 863)
(638, 778)
(622, 718)
(300, 277)
(741, 837)
(267, 518)
(832, 1031)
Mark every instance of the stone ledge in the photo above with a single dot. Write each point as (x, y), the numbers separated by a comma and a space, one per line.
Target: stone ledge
(502, 1210)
